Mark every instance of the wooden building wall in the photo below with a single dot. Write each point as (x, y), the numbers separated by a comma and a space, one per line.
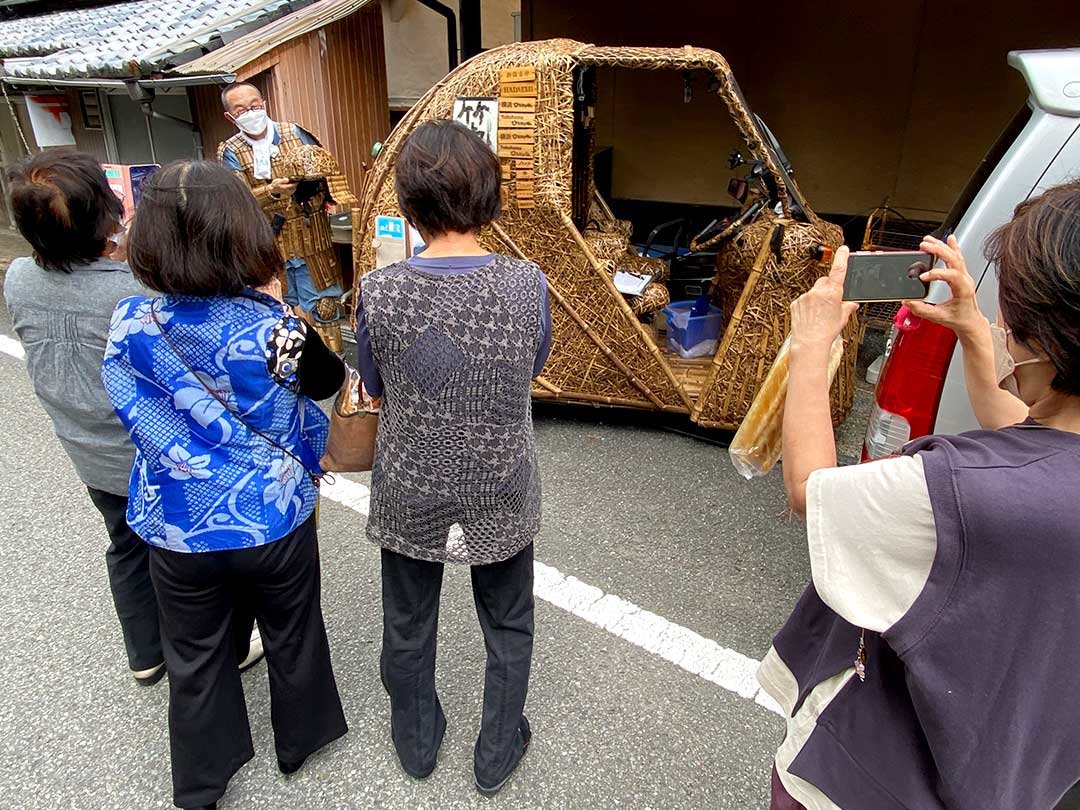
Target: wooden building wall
(331, 81)
(208, 114)
(86, 140)
(870, 100)
(91, 141)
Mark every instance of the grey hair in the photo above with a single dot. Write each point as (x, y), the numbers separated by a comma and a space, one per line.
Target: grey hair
(230, 87)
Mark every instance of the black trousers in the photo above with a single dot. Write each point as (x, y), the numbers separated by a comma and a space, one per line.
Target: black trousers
(128, 561)
(204, 598)
(503, 593)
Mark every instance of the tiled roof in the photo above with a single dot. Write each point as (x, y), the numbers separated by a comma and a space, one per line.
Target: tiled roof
(230, 58)
(105, 41)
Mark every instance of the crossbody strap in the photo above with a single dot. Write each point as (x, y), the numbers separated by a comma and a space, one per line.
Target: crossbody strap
(315, 478)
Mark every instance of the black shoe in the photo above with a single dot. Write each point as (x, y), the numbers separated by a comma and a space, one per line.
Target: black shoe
(211, 806)
(435, 762)
(148, 677)
(289, 768)
(526, 734)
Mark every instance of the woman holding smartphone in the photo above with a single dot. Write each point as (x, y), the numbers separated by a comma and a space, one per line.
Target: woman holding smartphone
(933, 661)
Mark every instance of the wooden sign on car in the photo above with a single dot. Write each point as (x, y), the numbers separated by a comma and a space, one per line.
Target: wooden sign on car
(517, 136)
(518, 105)
(517, 120)
(515, 150)
(525, 73)
(517, 89)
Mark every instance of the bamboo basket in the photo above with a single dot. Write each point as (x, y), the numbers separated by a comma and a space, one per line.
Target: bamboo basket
(888, 229)
(601, 352)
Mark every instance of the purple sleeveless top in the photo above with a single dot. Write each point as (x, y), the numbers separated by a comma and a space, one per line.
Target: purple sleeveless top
(972, 699)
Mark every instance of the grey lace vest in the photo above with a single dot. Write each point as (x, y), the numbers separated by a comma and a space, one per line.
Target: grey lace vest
(455, 477)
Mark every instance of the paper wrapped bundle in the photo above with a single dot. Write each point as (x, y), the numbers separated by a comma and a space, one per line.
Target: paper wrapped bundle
(756, 446)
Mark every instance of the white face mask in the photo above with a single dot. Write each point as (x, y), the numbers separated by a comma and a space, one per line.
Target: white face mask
(1005, 364)
(251, 122)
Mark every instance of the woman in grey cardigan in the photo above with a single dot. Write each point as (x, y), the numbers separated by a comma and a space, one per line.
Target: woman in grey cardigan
(61, 301)
(451, 340)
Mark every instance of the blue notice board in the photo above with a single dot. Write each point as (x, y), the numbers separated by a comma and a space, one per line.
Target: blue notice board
(389, 228)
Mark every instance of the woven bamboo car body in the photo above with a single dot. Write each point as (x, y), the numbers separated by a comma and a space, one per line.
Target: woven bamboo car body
(602, 353)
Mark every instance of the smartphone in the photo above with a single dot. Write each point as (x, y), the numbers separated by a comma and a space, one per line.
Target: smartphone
(887, 275)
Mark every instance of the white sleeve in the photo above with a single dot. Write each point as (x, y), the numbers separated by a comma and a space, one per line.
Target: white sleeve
(872, 538)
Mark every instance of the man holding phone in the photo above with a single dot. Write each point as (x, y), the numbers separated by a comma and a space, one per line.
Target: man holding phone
(259, 152)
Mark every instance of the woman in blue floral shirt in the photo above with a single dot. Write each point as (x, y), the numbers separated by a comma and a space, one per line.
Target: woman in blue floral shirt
(214, 379)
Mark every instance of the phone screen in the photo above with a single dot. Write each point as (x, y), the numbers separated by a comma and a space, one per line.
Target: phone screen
(886, 276)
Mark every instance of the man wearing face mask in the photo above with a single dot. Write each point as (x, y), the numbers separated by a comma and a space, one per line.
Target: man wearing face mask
(259, 152)
(932, 661)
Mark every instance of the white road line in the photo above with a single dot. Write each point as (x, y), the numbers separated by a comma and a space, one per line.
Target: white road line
(9, 345)
(683, 647)
(694, 653)
(348, 493)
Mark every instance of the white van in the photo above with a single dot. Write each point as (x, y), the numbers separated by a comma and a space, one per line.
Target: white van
(921, 388)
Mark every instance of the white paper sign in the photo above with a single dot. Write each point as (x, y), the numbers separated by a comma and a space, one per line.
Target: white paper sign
(416, 241)
(631, 283)
(50, 120)
(389, 242)
(481, 115)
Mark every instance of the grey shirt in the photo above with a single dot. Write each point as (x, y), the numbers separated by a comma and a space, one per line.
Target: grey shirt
(62, 320)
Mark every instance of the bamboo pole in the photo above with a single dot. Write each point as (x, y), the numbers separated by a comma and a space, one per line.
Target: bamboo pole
(583, 325)
(548, 386)
(732, 327)
(599, 399)
(650, 345)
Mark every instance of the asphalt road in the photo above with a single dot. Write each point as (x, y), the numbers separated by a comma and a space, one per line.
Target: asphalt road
(658, 519)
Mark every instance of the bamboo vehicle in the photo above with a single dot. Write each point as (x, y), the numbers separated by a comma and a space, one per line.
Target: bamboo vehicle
(602, 351)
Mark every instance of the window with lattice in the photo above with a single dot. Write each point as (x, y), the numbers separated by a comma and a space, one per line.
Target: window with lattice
(91, 110)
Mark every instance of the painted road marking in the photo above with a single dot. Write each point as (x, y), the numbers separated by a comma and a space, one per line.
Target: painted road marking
(681, 646)
(9, 345)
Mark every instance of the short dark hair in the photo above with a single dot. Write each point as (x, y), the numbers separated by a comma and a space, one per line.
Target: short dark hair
(230, 87)
(447, 179)
(64, 208)
(1037, 254)
(199, 231)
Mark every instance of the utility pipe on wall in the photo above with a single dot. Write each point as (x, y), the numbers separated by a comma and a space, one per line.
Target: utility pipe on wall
(150, 112)
(451, 29)
(469, 12)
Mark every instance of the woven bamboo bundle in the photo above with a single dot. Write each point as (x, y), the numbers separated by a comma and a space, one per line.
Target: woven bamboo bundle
(756, 292)
(601, 352)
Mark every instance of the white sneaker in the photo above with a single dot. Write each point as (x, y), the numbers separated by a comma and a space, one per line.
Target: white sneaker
(255, 650)
(148, 677)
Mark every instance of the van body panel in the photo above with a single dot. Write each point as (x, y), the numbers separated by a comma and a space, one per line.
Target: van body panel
(1045, 154)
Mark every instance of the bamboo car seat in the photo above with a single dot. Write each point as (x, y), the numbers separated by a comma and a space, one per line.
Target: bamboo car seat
(609, 240)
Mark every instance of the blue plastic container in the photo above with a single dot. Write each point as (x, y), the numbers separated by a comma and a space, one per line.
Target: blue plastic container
(690, 336)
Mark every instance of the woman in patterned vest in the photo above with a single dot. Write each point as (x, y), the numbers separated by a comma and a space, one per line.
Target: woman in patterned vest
(214, 380)
(451, 339)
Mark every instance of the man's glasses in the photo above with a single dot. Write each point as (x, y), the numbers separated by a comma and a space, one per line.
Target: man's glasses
(258, 105)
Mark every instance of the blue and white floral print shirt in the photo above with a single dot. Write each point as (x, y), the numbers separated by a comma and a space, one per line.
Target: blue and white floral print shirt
(202, 480)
